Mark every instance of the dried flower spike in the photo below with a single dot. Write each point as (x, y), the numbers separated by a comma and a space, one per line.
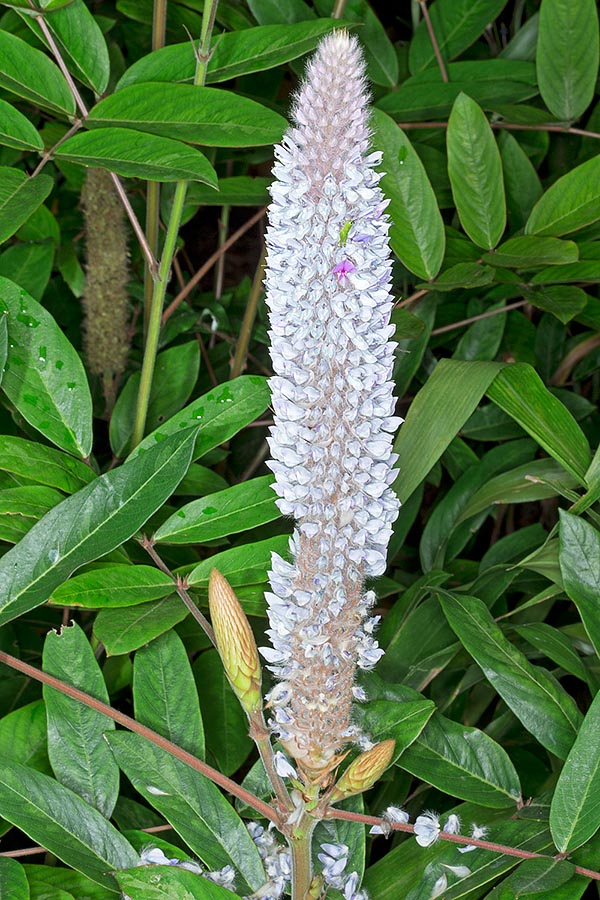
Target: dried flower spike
(328, 292)
(364, 771)
(235, 642)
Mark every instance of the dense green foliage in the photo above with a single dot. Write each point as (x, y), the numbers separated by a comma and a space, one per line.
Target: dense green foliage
(491, 603)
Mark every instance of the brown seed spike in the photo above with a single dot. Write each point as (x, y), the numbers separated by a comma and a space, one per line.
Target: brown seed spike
(364, 771)
(235, 643)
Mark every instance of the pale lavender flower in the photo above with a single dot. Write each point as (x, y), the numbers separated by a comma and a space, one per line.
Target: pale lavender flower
(328, 293)
(427, 829)
(478, 832)
(393, 815)
(439, 887)
(452, 825)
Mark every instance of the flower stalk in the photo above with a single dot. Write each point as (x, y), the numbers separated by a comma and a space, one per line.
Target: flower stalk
(328, 292)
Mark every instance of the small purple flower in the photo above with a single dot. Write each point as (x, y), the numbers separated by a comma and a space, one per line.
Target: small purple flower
(342, 270)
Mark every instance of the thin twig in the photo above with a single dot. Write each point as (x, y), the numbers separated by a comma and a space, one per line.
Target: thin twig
(333, 813)
(48, 154)
(510, 126)
(31, 851)
(241, 349)
(179, 585)
(412, 299)
(485, 315)
(433, 39)
(573, 357)
(338, 9)
(210, 263)
(264, 809)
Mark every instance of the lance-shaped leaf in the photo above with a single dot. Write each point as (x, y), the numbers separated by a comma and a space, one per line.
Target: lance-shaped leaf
(20, 196)
(16, 130)
(167, 882)
(29, 74)
(535, 697)
(580, 569)
(13, 881)
(44, 376)
(575, 809)
(78, 752)
(192, 804)
(64, 824)
(90, 524)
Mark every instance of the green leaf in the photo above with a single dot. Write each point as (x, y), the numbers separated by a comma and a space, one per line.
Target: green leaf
(490, 83)
(235, 509)
(239, 190)
(521, 181)
(534, 696)
(78, 752)
(53, 878)
(456, 24)
(268, 12)
(64, 824)
(475, 171)
(13, 881)
(519, 391)
(43, 465)
(567, 56)
(20, 196)
(463, 275)
(16, 130)
(164, 693)
(575, 808)
(536, 876)
(167, 883)
(530, 251)
(199, 115)
(534, 480)
(135, 154)
(417, 232)
(23, 737)
(90, 524)
(436, 415)
(555, 645)
(175, 375)
(220, 413)
(401, 721)
(80, 42)
(113, 586)
(233, 54)
(463, 762)
(227, 740)
(44, 376)
(572, 202)
(193, 805)
(29, 265)
(128, 629)
(29, 74)
(22, 507)
(246, 564)
(580, 569)
(562, 300)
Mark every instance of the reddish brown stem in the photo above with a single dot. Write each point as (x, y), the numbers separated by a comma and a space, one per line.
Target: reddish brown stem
(226, 783)
(433, 39)
(455, 839)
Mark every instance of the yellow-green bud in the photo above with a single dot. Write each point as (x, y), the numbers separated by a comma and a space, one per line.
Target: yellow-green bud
(235, 642)
(364, 771)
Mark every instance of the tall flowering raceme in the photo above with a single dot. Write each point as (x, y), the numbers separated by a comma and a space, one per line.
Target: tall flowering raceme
(328, 293)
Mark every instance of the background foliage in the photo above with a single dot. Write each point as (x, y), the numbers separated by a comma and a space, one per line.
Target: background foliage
(491, 617)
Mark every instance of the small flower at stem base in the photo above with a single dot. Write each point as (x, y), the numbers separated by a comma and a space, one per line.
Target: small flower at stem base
(364, 771)
(235, 643)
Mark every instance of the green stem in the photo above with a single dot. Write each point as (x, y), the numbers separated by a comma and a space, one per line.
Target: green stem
(301, 851)
(159, 288)
(159, 27)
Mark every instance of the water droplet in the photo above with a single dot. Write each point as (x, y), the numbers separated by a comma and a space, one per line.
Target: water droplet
(54, 556)
(71, 385)
(209, 510)
(402, 154)
(59, 364)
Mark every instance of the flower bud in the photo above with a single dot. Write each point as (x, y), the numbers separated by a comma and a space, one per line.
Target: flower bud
(235, 642)
(364, 771)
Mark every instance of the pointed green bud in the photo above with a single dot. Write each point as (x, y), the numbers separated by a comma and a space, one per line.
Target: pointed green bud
(235, 643)
(364, 771)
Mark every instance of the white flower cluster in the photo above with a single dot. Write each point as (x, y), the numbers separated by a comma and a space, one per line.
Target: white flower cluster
(328, 293)
(334, 859)
(276, 860)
